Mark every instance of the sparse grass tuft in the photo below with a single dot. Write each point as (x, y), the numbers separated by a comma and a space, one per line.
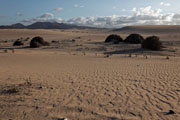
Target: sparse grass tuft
(167, 57)
(5, 51)
(106, 56)
(55, 41)
(146, 56)
(84, 53)
(13, 51)
(26, 39)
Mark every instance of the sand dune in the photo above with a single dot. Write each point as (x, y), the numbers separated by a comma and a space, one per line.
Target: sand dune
(152, 28)
(51, 83)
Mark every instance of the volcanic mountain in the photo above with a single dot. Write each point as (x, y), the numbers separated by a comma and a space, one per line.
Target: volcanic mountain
(45, 25)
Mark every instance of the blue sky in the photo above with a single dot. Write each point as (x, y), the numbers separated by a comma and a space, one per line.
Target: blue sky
(101, 13)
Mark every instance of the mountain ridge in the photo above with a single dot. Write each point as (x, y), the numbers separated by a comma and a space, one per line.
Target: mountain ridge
(45, 25)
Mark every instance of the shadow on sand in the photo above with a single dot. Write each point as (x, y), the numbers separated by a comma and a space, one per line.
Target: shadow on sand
(85, 111)
(127, 51)
(11, 48)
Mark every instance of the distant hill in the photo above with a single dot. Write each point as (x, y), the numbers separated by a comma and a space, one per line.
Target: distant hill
(45, 25)
(7, 27)
(150, 29)
(18, 25)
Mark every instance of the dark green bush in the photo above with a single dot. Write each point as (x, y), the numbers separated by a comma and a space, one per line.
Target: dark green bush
(134, 39)
(152, 43)
(115, 39)
(18, 43)
(37, 42)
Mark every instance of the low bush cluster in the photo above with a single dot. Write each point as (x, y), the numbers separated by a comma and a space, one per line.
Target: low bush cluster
(151, 43)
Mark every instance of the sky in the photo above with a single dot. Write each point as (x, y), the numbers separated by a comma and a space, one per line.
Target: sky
(95, 13)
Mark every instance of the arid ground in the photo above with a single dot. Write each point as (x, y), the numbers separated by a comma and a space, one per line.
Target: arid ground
(79, 77)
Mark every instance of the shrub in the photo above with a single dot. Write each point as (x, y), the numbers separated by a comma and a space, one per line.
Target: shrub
(73, 40)
(18, 43)
(10, 91)
(46, 43)
(134, 39)
(167, 57)
(130, 55)
(26, 39)
(37, 42)
(5, 51)
(152, 43)
(55, 41)
(107, 56)
(13, 51)
(114, 39)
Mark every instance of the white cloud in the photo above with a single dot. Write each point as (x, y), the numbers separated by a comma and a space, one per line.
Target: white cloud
(81, 6)
(146, 11)
(141, 16)
(59, 9)
(19, 14)
(134, 9)
(144, 15)
(78, 6)
(43, 18)
(46, 15)
(123, 10)
(114, 7)
(165, 4)
(75, 5)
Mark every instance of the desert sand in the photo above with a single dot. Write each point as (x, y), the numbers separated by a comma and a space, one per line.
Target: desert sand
(79, 77)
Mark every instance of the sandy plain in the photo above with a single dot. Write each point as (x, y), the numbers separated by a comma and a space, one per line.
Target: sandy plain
(79, 77)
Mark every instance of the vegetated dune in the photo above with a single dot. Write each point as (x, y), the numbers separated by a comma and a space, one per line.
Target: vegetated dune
(77, 80)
